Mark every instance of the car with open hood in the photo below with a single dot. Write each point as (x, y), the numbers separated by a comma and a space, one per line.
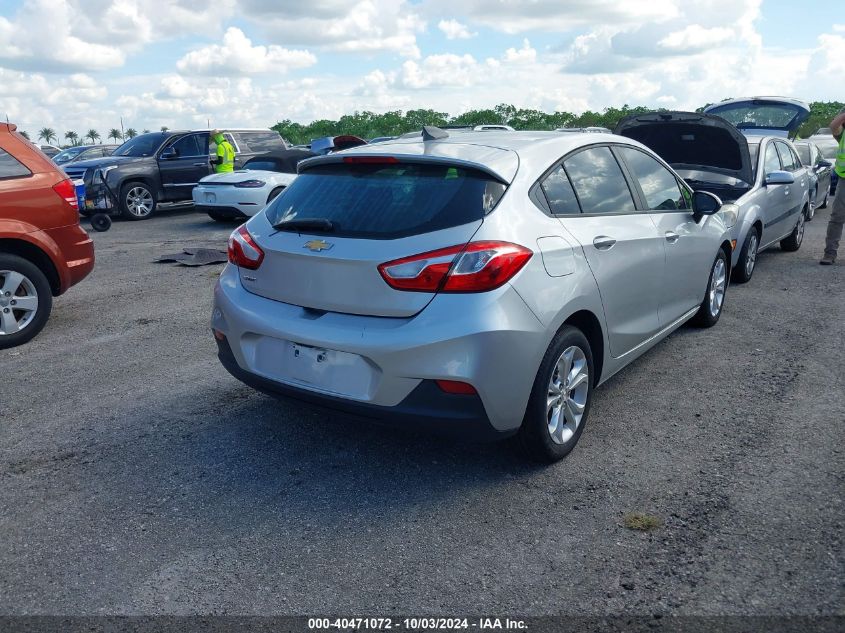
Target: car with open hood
(739, 151)
(478, 283)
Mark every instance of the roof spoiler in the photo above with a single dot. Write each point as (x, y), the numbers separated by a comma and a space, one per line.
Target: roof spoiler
(433, 133)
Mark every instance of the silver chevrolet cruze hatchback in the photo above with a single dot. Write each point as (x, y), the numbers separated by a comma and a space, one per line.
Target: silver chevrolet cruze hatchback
(481, 284)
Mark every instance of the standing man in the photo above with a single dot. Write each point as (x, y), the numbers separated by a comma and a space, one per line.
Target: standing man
(837, 212)
(225, 160)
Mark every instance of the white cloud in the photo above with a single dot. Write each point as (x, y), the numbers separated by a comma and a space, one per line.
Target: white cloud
(695, 37)
(517, 16)
(524, 55)
(359, 26)
(454, 30)
(237, 56)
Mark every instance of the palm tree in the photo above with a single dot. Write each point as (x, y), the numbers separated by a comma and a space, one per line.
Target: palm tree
(25, 135)
(94, 135)
(47, 134)
(164, 128)
(115, 134)
(72, 136)
(131, 133)
(146, 131)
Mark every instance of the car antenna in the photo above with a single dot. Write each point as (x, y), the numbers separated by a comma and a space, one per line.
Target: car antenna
(433, 133)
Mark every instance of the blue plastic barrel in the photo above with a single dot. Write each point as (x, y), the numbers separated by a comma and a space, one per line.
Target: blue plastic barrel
(80, 192)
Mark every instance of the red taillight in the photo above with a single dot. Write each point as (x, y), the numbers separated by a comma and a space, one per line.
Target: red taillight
(370, 160)
(456, 387)
(67, 191)
(476, 267)
(243, 251)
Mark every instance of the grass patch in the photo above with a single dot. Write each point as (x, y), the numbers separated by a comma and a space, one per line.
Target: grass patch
(641, 521)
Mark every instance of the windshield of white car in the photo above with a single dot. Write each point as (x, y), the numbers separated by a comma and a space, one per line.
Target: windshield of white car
(144, 145)
(67, 154)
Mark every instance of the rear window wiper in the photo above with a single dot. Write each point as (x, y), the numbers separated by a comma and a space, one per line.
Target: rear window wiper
(305, 224)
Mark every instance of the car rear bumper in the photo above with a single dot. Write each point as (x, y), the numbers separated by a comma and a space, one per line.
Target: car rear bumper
(226, 212)
(226, 199)
(426, 409)
(74, 255)
(491, 341)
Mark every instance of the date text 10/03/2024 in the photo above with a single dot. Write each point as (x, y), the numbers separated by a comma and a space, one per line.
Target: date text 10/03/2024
(416, 624)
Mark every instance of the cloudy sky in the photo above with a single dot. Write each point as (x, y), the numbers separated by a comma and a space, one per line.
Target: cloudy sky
(77, 64)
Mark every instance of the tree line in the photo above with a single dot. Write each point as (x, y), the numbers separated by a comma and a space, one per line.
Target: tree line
(49, 135)
(369, 125)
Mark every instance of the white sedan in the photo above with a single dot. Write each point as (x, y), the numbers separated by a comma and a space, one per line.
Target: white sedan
(245, 192)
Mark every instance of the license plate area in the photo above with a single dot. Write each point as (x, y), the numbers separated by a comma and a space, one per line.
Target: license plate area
(326, 370)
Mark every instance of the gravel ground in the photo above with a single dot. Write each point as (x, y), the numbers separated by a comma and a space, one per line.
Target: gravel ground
(138, 477)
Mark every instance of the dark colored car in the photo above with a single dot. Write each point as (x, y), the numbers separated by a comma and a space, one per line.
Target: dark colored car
(811, 155)
(829, 148)
(83, 152)
(160, 167)
(43, 250)
(332, 144)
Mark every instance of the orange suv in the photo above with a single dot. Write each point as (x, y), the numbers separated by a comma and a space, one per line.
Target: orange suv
(43, 250)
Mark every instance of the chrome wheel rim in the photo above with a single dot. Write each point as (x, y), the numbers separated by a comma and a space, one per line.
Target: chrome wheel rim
(569, 387)
(751, 255)
(718, 277)
(18, 302)
(799, 229)
(139, 201)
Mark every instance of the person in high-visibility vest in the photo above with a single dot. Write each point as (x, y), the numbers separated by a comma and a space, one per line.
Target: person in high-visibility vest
(837, 211)
(225, 160)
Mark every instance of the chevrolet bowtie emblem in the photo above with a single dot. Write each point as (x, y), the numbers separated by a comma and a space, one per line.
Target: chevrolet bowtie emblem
(318, 245)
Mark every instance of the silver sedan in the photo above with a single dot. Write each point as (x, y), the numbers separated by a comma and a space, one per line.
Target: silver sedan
(481, 284)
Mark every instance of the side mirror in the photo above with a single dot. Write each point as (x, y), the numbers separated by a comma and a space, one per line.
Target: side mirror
(168, 154)
(779, 178)
(705, 203)
(824, 163)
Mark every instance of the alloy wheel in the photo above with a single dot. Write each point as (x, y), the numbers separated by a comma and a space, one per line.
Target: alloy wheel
(718, 279)
(751, 255)
(18, 302)
(568, 389)
(799, 228)
(139, 201)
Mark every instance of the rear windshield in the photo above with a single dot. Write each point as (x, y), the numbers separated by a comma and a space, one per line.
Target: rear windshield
(774, 116)
(387, 201)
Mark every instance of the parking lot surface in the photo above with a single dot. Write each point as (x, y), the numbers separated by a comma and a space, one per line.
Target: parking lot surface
(138, 477)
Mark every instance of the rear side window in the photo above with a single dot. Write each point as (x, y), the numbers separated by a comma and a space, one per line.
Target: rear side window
(559, 193)
(386, 201)
(772, 162)
(259, 142)
(190, 145)
(598, 182)
(805, 154)
(786, 157)
(659, 185)
(10, 167)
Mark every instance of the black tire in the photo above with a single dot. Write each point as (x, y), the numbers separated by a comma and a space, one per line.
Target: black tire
(793, 242)
(706, 315)
(133, 190)
(37, 282)
(535, 435)
(747, 261)
(219, 217)
(274, 193)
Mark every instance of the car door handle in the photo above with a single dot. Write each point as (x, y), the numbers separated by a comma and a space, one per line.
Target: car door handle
(672, 237)
(786, 191)
(603, 242)
(200, 164)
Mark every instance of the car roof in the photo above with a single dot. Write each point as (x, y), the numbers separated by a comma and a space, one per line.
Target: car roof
(500, 154)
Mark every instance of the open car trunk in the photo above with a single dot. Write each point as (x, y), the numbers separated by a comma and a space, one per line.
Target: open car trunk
(764, 116)
(707, 151)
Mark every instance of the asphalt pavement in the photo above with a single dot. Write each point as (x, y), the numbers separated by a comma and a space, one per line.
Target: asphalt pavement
(138, 477)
